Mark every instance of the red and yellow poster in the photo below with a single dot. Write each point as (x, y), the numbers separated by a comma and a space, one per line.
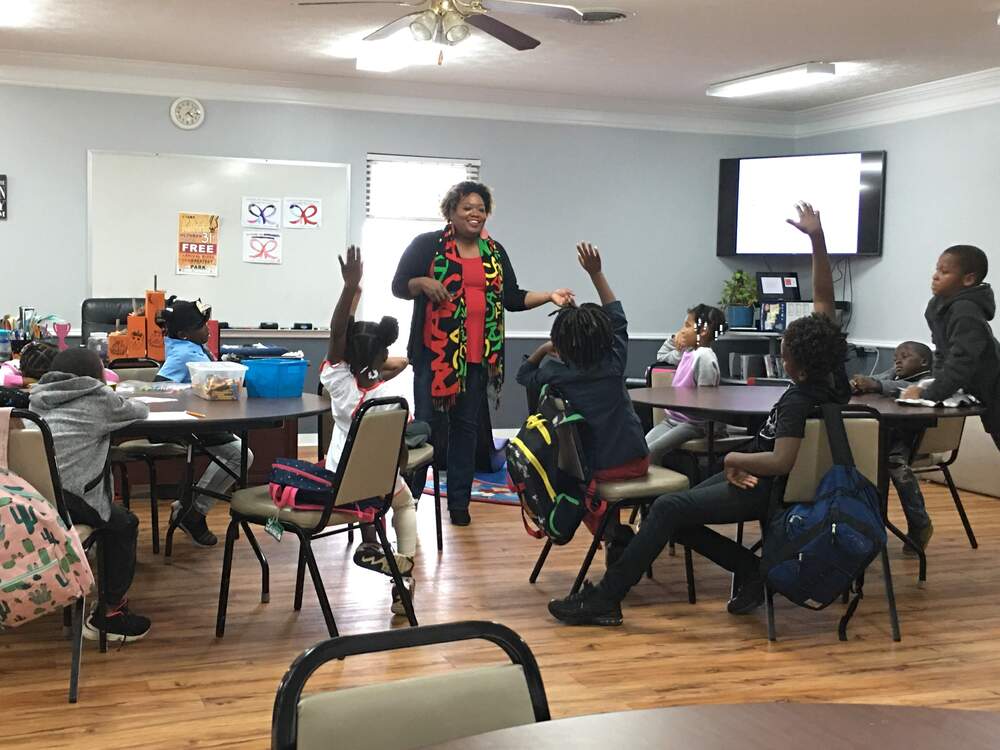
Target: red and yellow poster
(198, 245)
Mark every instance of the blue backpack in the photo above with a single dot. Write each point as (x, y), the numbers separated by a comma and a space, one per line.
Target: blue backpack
(816, 552)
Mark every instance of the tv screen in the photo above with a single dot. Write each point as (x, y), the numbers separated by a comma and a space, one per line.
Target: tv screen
(756, 196)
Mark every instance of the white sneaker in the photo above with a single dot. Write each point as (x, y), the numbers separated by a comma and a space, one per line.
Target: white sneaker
(397, 607)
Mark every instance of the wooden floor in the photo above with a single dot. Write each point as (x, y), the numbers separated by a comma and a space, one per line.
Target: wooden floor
(181, 688)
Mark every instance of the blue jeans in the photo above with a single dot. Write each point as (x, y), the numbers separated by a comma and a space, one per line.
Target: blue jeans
(453, 433)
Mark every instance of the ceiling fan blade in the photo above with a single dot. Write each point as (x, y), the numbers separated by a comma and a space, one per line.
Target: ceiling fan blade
(506, 34)
(400, 3)
(391, 28)
(548, 10)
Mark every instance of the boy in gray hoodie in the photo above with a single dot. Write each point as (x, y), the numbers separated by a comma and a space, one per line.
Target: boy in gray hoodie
(82, 412)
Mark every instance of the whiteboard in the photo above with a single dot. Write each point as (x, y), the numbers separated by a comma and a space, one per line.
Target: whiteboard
(134, 201)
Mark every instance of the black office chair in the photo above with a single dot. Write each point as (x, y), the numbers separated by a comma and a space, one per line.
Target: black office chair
(103, 314)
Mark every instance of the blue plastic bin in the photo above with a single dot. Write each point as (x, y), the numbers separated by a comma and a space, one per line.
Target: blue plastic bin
(275, 378)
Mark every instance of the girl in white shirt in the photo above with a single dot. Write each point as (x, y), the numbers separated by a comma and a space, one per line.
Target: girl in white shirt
(356, 367)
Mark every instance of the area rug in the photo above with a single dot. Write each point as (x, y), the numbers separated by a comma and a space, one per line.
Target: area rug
(486, 488)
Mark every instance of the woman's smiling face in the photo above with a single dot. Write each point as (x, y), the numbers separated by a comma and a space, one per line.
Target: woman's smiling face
(469, 216)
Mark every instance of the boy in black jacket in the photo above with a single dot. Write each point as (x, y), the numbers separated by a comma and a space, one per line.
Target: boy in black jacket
(967, 355)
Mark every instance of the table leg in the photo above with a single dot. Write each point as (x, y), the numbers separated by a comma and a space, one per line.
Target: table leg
(187, 499)
(244, 455)
(710, 426)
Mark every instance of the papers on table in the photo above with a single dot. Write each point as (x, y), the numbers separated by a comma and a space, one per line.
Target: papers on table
(152, 399)
(170, 416)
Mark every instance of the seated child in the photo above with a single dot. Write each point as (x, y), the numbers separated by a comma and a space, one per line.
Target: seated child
(697, 365)
(185, 328)
(591, 343)
(357, 365)
(36, 358)
(967, 354)
(913, 362)
(813, 351)
(82, 412)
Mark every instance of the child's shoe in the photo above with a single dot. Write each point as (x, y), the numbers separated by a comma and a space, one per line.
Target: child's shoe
(371, 556)
(921, 536)
(397, 607)
(121, 625)
(194, 525)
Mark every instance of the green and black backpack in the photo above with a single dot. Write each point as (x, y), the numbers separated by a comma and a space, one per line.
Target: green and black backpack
(548, 469)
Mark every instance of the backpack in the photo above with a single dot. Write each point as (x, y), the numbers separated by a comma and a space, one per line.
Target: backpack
(43, 566)
(548, 470)
(300, 485)
(814, 553)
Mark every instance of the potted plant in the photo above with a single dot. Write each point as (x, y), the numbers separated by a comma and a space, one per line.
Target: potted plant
(739, 294)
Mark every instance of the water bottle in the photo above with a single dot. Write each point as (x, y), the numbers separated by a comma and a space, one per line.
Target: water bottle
(5, 354)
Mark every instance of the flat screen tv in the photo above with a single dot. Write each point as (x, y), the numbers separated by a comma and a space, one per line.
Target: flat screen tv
(756, 195)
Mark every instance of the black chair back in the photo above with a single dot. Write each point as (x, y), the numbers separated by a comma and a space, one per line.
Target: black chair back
(100, 314)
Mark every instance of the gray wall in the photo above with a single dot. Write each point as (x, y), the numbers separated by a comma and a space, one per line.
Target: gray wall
(648, 198)
(943, 188)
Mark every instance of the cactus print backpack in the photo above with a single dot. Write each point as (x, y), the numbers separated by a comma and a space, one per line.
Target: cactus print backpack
(43, 566)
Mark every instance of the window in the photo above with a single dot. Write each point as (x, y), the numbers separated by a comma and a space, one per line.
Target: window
(402, 199)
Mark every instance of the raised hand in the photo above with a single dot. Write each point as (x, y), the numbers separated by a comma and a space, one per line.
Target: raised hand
(809, 221)
(352, 269)
(589, 257)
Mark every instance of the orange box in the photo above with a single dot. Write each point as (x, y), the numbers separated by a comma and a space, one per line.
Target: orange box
(155, 302)
(136, 336)
(213, 338)
(118, 345)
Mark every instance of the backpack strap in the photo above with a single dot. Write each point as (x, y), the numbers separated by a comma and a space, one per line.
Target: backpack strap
(836, 432)
(4, 432)
(100, 477)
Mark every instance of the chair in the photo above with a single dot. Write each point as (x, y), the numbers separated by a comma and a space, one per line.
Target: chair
(936, 450)
(367, 471)
(417, 459)
(142, 450)
(104, 313)
(628, 493)
(415, 712)
(31, 455)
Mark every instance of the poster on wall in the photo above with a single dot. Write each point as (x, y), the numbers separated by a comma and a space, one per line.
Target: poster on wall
(261, 213)
(198, 245)
(262, 247)
(303, 213)
(3, 197)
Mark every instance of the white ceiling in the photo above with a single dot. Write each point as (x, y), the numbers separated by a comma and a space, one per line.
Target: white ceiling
(667, 53)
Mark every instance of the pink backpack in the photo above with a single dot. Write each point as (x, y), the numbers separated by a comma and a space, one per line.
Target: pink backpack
(43, 566)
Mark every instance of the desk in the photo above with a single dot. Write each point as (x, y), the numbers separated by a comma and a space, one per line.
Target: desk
(763, 726)
(220, 416)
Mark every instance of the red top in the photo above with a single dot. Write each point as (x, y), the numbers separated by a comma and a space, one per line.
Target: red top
(474, 282)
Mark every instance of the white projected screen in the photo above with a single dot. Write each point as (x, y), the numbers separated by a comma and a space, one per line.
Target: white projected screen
(770, 188)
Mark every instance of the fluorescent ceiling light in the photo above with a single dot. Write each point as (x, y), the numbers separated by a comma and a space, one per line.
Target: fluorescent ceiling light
(785, 79)
(17, 13)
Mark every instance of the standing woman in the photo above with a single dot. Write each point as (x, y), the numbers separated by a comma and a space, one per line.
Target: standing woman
(460, 281)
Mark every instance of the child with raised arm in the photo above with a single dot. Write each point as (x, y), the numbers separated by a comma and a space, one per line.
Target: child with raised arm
(357, 365)
(813, 351)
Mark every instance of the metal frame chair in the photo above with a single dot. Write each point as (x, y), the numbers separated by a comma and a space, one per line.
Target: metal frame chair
(48, 484)
(425, 707)
(936, 450)
(367, 471)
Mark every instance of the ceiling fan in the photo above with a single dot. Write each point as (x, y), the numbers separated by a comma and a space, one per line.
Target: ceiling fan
(448, 21)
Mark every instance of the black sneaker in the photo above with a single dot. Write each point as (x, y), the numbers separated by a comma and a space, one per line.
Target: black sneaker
(748, 598)
(921, 536)
(460, 516)
(121, 625)
(615, 543)
(369, 555)
(195, 526)
(586, 607)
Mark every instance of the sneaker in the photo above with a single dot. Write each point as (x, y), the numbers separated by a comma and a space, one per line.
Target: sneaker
(371, 556)
(397, 607)
(616, 542)
(748, 598)
(586, 607)
(121, 625)
(460, 517)
(921, 536)
(194, 525)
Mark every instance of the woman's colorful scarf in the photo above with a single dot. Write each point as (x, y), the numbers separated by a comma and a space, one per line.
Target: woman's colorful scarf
(444, 332)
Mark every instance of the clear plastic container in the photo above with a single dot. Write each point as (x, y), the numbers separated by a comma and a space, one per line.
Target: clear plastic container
(217, 381)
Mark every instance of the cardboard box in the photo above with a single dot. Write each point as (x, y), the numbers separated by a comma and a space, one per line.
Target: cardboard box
(213, 343)
(118, 345)
(155, 302)
(136, 336)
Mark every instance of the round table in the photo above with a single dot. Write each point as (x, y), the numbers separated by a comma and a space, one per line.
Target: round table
(763, 726)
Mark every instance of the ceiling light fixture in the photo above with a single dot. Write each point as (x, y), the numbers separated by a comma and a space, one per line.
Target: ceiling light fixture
(424, 26)
(783, 79)
(455, 27)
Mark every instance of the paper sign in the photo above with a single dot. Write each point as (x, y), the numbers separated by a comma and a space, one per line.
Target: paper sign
(262, 213)
(198, 245)
(262, 247)
(303, 213)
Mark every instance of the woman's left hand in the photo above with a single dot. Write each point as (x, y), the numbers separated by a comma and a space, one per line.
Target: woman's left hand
(562, 297)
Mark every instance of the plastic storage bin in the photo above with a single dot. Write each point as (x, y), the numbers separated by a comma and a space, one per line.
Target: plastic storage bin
(217, 381)
(275, 377)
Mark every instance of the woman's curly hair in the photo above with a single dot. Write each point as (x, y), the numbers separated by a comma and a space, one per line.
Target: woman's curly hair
(817, 345)
(449, 204)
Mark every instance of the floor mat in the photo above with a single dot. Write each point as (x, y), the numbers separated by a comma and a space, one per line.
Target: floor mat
(486, 488)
